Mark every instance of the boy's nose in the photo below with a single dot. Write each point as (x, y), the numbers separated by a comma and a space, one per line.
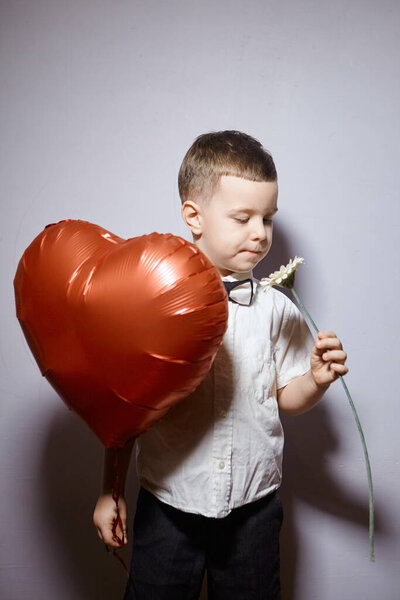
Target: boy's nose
(259, 231)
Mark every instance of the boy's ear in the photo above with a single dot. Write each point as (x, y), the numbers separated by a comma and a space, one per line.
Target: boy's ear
(191, 214)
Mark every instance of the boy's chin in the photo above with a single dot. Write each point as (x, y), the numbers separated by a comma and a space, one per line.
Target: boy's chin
(242, 264)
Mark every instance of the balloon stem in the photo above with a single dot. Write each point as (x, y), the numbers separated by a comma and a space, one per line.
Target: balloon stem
(115, 495)
(117, 521)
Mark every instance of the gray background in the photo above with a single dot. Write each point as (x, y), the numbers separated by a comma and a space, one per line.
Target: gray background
(99, 102)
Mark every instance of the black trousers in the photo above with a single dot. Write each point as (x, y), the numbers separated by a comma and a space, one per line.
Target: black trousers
(173, 549)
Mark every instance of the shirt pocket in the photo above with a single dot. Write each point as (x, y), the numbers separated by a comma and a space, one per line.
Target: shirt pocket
(258, 372)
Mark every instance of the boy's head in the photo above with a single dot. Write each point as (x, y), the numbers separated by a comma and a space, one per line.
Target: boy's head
(219, 153)
(228, 187)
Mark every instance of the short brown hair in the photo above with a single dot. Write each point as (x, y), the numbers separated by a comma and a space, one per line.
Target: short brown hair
(222, 153)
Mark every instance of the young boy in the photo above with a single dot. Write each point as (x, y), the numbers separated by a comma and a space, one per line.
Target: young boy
(211, 468)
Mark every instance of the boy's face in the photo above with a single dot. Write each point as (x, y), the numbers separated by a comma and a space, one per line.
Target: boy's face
(234, 228)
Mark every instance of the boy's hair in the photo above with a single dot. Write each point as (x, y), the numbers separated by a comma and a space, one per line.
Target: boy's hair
(222, 153)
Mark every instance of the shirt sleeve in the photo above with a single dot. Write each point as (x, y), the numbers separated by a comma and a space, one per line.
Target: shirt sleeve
(293, 345)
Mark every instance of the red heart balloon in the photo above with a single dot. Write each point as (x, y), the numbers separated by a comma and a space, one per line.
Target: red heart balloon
(122, 329)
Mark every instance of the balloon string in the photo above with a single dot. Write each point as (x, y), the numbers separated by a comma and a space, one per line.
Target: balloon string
(117, 521)
(120, 560)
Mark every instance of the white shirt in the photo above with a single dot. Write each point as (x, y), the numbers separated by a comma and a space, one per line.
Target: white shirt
(221, 447)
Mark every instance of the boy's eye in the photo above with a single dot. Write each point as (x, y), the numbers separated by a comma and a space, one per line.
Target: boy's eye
(266, 220)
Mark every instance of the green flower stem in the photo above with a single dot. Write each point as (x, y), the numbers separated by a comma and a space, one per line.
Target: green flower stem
(304, 309)
(360, 430)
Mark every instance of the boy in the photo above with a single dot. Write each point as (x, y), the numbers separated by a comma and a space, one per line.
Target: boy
(211, 468)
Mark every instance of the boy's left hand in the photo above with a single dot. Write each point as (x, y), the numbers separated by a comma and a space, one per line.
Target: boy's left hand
(327, 358)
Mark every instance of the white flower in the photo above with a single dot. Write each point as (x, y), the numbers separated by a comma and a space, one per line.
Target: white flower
(285, 276)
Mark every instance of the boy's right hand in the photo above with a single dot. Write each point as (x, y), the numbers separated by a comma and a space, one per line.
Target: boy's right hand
(104, 517)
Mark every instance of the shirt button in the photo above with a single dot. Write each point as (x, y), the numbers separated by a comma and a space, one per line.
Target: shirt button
(221, 465)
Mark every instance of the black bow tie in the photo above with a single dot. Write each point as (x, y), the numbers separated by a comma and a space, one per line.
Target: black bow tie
(240, 292)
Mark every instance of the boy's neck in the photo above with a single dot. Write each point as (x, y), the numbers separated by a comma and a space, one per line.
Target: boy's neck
(237, 276)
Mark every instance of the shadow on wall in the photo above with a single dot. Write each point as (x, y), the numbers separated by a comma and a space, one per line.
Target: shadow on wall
(309, 441)
(70, 474)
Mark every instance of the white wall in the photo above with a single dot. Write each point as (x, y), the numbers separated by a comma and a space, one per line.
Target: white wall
(99, 101)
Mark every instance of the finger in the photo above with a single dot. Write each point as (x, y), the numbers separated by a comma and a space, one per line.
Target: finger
(118, 543)
(339, 369)
(329, 343)
(119, 537)
(338, 356)
(325, 334)
(108, 538)
(112, 543)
